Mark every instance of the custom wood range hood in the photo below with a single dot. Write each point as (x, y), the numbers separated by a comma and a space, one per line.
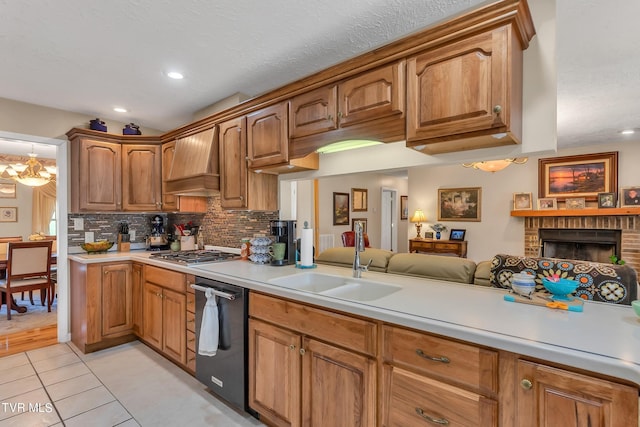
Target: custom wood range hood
(195, 167)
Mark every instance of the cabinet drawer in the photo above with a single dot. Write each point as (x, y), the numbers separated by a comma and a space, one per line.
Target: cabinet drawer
(191, 360)
(447, 246)
(191, 340)
(411, 400)
(422, 245)
(166, 278)
(464, 364)
(191, 302)
(352, 333)
(191, 321)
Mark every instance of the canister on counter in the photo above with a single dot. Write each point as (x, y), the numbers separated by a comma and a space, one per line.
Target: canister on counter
(245, 246)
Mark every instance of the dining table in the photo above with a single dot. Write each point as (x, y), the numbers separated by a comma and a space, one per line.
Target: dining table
(3, 268)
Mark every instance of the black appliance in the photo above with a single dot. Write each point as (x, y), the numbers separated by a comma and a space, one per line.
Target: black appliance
(285, 232)
(194, 257)
(225, 374)
(158, 238)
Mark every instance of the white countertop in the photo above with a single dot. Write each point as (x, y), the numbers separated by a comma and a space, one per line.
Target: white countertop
(604, 338)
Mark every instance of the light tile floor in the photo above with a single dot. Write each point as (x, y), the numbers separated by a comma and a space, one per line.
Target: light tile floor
(128, 385)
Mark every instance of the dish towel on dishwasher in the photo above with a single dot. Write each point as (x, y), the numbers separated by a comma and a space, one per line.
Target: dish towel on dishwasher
(209, 329)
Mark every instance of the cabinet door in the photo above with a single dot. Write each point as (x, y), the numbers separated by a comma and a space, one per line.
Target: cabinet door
(136, 286)
(459, 88)
(100, 184)
(117, 306)
(372, 95)
(267, 136)
(152, 314)
(338, 387)
(274, 373)
(233, 164)
(169, 201)
(141, 178)
(553, 397)
(174, 323)
(313, 112)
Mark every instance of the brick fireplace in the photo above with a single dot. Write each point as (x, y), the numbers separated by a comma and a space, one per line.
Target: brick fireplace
(628, 225)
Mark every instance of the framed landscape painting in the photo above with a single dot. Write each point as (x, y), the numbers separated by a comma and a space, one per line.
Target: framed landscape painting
(340, 208)
(578, 176)
(459, 204)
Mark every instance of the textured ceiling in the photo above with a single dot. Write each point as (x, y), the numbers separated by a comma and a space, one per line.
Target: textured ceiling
(89, 56)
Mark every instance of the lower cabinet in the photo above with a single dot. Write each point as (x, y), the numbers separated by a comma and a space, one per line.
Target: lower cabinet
(102, 304)
(137, 279)
(301, 370)
(164, 307)
(549, 396)
(191, 325)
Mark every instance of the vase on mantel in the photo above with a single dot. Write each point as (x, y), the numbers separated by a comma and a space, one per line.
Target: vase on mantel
(437, 235)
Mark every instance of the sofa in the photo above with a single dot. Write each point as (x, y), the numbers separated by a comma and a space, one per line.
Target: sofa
(601, 282)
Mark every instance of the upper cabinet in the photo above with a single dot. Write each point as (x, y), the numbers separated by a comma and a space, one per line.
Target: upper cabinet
(169, 201)
(114, 173)
(267, 139)
(466, 95)
(369, 105)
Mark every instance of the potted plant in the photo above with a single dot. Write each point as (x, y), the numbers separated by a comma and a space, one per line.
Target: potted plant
(438, 228)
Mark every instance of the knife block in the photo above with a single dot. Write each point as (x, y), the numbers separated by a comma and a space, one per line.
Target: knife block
(123, 246)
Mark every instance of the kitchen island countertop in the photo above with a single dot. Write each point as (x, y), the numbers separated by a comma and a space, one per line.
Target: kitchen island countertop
(604, 338)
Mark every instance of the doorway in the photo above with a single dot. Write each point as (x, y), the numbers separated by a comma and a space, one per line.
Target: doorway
(388, 219)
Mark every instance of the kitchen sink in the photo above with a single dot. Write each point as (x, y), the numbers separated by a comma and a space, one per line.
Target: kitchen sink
(337, 286)
(311, 282)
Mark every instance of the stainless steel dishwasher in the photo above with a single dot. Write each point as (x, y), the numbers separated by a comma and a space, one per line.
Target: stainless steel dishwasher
(225, 374)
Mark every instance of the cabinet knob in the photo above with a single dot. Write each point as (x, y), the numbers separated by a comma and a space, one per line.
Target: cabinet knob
(292, 347)
(302, 352)
(526, 384)
(241, 197)
(330, 117)
(441, 359)
(439, 421)
(497, 109)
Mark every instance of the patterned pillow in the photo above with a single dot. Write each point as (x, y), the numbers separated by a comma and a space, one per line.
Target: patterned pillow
(597, 281)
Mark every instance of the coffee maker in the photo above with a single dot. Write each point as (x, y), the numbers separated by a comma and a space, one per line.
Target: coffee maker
(158, 238)
(285, 232)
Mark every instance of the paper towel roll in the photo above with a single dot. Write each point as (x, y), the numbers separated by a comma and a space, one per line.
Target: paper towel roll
(306, 250)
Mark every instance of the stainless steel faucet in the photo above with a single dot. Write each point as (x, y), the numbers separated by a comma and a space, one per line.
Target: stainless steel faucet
(359, 247)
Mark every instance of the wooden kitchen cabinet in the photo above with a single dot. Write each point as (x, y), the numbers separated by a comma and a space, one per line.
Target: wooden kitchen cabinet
(102, 309)
(241, 188)
(114, 173)
(314, 112)
(267, 136)
(141, 177)
(317, 352)
(172, 202)
(137, 280)
(548, 396)
(458, 248)
(466, 95)
(164, 306)
(432, 379)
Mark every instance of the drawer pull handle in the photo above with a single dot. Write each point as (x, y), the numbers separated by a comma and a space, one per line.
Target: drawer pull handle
(439, 421)
(526, 384)
(435, 359)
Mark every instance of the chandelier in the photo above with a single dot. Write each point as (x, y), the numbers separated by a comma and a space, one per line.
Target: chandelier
(32, 173)
(495, 165)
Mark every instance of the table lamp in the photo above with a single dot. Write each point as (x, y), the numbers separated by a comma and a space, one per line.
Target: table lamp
(418, 218)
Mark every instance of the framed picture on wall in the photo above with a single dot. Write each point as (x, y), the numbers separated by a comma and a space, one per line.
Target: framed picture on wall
(340, 208)
(630, 196)
(404, 207)
(547, 203)
(459, 204)
(607, 200)
(7, 190)
(359, 198)
(8, 214)
(522, 201)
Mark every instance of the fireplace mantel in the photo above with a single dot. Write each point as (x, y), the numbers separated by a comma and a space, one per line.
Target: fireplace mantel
(576, 212)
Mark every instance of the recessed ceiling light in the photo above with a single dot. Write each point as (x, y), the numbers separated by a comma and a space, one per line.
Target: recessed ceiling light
(120, 110)
(175, 75)
(628, 132)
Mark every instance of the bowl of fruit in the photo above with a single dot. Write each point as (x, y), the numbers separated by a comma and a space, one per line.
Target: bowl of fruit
(97, 247)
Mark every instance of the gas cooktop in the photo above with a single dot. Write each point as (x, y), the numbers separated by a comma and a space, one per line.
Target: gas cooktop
(194, 257)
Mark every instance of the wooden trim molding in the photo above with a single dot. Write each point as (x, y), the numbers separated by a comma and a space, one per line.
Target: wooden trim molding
(577, 212)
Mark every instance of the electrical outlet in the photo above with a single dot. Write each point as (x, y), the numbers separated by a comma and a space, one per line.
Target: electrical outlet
(88, 236)
(78, 224)
(132, 235)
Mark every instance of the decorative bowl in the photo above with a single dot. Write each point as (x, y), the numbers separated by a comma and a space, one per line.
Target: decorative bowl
(95, 247)
(523, 284)
(560, 289)
(636, 306)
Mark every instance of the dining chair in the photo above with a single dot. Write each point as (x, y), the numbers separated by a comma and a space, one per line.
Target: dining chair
(54, 271)
(28, 268)
(349, 239)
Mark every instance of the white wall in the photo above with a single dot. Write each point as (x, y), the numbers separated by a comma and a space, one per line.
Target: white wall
(23, 201)
(498, 232)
